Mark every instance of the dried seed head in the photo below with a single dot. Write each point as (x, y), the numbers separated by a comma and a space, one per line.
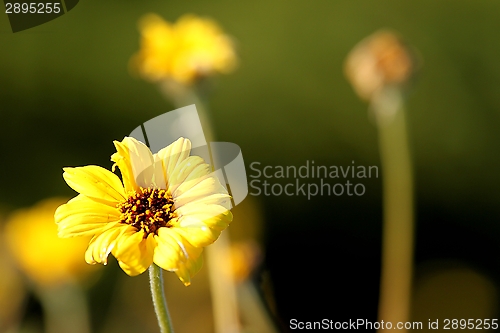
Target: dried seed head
(378, 61)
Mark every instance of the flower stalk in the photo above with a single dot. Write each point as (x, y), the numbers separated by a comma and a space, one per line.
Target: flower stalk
(159, 299)
(380, 68)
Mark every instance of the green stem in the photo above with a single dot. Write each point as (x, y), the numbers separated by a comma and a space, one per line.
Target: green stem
(159, 300)
(398, 228)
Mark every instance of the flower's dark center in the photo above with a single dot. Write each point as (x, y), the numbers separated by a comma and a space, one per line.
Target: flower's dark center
(148, 209)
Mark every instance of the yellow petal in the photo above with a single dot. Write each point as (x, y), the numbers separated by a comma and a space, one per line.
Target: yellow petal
(174, 154)
(204, 188)
(174, 253)
(170, 251)
(82, 216)
(221, 199)
(202, 228)
(213, 216)
(101, 245)
(137, 165)
(192, 168)
(95, 182)
(199, 235)
(134, 253)
(186, 270)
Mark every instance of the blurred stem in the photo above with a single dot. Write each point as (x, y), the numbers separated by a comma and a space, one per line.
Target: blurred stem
(398, 228)
(222, 285)
(159, 300)
(254, 311)
(181, 95)
(64, 308)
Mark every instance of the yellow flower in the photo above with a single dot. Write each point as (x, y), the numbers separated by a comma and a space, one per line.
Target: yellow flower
(31, 237)
(191, 48)
(167, 209)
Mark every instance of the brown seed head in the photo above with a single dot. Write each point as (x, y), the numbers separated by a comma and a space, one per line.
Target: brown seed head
(379, 60)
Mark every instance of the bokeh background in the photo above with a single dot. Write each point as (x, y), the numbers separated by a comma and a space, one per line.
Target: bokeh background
(66, 93)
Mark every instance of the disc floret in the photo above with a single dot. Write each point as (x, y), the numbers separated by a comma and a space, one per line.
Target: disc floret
(148, 209)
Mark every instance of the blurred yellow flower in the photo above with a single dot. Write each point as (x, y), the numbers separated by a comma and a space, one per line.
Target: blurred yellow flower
(167, 209)
(31, 237)
(189, 49)
(245, 256)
